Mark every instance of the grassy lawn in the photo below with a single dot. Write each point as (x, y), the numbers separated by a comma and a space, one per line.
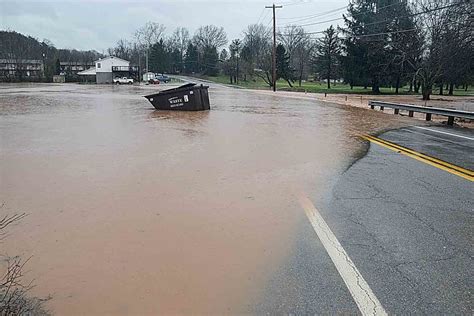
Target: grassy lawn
(317, 87)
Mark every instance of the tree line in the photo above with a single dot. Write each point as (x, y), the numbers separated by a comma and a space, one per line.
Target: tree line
(421, 44)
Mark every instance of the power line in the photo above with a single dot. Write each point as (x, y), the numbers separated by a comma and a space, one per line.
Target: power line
(365, 35)
(269, 21)
(411, 15)
(260, 16)
(340, 18)
(321, 22)
(308, 17)
(290, 3)
(388, 20)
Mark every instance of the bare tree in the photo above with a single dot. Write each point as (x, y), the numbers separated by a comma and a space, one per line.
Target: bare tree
(301, 58)
(210, 36)
(123, 49)
(265, 72)
(458, 44)
(179, 41)
(14, 298)
(257, 43)
(8, 220)
(256, 52)
(297, 44)
(147, 35)
(292, 37)
(448, 35)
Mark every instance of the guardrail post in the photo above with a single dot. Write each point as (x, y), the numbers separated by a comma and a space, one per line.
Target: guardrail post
(381, 108)
(372, 106)
(395, 111)
(428, 116)
(450, 120)
(410, 113)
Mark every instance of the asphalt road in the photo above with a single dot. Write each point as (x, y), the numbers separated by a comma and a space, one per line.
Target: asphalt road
(406, 225)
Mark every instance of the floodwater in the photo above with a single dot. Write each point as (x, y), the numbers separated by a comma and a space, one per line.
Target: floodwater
(137, 211)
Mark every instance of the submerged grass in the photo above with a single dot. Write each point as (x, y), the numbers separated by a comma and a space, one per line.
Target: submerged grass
(321, 87)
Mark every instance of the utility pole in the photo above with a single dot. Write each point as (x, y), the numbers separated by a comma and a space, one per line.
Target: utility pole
(274, 45)
(146, 59)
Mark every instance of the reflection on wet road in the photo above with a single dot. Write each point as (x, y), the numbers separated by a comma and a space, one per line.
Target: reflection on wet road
(137, 211)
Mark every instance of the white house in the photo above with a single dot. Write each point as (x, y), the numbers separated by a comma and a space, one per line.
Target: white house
(106, 69)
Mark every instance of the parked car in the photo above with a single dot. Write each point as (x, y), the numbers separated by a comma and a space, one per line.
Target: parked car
(153, 81)
(163, 78)
(123, 80)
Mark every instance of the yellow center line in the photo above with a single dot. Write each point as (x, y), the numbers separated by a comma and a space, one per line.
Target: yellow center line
(435, 162)
(433, 159)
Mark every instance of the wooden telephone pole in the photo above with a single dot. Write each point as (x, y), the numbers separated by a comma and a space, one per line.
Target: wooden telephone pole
(274, 45)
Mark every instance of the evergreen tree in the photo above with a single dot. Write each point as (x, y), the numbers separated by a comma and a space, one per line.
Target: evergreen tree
(327, 54)
(283, 69)
(191, 59)
(367, 40)
(210, 58)
(57, 67)
(175, 61)
(159, 57)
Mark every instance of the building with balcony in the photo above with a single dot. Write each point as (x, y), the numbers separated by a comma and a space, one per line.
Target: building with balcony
(106, 69)
(21, 70)
(70, 69)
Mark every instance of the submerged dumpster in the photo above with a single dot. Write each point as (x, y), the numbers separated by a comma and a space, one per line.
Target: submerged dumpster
(188, 97)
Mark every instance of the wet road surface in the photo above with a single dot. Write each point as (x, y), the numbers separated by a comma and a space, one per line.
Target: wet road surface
(410, 236)
(137, 211)
(453, 145)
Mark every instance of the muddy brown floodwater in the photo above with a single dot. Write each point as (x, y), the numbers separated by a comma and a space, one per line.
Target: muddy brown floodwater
(136, 211)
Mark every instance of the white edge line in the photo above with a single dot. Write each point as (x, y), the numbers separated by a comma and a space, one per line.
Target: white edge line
(441, 132)
(365, 299)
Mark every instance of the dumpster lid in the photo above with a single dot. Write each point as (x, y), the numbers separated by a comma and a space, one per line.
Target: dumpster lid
(184, 86)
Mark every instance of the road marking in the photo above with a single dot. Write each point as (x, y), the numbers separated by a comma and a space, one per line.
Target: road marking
(363, 296)
(437, 137)
(441, 132)
(435, 162)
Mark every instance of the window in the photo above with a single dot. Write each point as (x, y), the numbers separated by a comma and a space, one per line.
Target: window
(98, 65)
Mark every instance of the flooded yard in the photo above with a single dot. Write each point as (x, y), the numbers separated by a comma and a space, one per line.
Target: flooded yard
(138, 211)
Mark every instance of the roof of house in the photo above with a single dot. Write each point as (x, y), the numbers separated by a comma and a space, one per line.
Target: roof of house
(88, 72)
(112, 57)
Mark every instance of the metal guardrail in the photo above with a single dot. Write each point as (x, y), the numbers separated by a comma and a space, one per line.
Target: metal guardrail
(450, 113)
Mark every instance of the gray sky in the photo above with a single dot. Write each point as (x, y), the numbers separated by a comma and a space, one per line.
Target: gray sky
(88, 24)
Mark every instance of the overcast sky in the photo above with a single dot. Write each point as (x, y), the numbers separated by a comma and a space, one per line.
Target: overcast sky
(99, 24)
